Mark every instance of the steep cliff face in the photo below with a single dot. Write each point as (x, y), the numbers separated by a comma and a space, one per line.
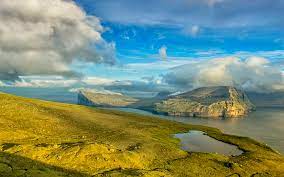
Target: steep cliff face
(104, 99)
(207, 102)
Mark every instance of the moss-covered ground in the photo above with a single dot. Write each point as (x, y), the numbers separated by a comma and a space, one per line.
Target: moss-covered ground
(48, 139)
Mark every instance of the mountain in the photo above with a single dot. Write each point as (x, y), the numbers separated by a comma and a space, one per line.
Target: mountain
(104, 99)
(219, 101)
(48, 139)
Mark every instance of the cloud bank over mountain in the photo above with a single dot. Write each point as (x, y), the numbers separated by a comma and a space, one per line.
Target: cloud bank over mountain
(44, 37)
(253, 74)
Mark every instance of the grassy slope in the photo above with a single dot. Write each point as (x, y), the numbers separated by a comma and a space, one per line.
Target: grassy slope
(101, 99)
(40, 138)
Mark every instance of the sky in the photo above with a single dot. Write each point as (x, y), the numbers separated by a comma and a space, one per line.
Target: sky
(138, 46)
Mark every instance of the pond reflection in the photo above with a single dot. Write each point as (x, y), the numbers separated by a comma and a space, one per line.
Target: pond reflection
(197, 141)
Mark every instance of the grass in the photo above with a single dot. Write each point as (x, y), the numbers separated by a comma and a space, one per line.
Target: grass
(48, 139)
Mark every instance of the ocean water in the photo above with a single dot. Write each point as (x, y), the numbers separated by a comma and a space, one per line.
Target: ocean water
(49, 94)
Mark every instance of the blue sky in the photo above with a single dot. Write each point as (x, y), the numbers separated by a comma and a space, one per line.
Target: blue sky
(149, 40)
(225, 25)
(188, 29)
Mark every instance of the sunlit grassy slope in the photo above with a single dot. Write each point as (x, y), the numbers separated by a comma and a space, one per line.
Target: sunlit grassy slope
(40, 138)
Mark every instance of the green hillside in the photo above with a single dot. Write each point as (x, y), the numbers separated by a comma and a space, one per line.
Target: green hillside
(48, 139)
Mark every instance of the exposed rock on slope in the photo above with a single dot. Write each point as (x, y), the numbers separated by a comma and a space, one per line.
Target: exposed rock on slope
(104, 99)
(207, 102)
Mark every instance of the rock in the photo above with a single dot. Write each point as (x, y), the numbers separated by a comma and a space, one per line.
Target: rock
(220, 101)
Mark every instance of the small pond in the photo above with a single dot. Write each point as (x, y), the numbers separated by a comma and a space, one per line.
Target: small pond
(197, 141)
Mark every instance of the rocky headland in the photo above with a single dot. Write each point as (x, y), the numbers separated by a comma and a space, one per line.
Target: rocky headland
(219, 101)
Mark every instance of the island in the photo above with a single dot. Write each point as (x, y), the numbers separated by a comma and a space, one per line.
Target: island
(104, 99)
(222, 101)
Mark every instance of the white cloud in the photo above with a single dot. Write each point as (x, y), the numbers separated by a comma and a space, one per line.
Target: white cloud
(92, 90)
(158, 65)
(191, 30)
(252, 74)
(43, 81)
(97, 81)
(273, 54)
(43, 37)
(2, 84)
(256, 62)
(195, 30)
(213, 2)
(57, 81)
(163, 52)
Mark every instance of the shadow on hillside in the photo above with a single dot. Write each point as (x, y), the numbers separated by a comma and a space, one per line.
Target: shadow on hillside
(13, 165)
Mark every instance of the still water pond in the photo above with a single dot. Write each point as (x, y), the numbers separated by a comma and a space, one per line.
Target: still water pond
(197, 141)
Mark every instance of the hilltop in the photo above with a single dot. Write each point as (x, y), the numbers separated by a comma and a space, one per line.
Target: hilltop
(219, 101)
(41, 138)
(104, 99)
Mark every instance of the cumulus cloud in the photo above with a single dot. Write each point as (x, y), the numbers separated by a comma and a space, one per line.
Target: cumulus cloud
(44, 37)
(252, 74)
(163, 52)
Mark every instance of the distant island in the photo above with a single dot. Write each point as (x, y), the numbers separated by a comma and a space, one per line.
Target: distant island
(104, 99)
(222, 101)
(207, 102)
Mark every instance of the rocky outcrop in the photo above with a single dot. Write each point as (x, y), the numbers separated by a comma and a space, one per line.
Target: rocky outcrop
(104, 99)
(207, 102)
